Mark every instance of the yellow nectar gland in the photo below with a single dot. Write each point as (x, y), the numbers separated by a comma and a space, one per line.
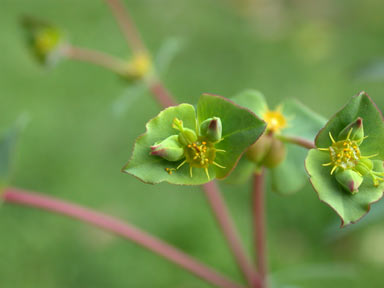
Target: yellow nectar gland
(275, 120)
(200, 154)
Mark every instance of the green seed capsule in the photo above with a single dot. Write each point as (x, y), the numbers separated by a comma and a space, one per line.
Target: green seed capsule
(257, 152)
(187, 136)
(211, 129)
(364, 166)
(170, 149)
(349, 180)
(354, 130)
(276, 154)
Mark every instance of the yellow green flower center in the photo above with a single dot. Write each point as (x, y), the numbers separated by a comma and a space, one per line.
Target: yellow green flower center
(200, 154)
(275, 120)
(345, 154)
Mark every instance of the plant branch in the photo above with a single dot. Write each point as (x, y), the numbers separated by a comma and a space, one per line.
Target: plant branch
(258, 209)
(161, 94)
(127, 25)
(223, 217)
(298, 141)
(95, 57)
(165, 99)
(120, 228)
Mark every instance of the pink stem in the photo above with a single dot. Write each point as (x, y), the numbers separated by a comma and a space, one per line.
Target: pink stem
(125, 230)
(258, 202)
(299, 141)
(94, 57)
(162, 95)
(224, 219)
(126, 25)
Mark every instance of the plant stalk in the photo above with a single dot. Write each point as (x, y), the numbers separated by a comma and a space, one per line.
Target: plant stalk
(95, 57)
(126, 25)
(298, 141)
(120, 228)
(259, 222)
(165, 99)
(228, 228)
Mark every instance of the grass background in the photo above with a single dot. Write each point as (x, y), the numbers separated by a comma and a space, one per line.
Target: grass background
(320, 52)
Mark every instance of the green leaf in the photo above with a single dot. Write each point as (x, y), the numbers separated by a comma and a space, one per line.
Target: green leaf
(359, 106)
(241, 128)
(290, 176)
(253, 100)
(242, 172)
(350, 207)
(151, 169)
(302, 121)
(166, 54)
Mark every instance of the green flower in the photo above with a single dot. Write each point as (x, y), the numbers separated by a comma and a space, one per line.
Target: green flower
(184, 146)
(346, 169)
(273, 150)
(44, 40)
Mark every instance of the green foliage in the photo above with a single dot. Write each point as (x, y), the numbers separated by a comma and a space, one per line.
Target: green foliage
(240, 128)
(350, 200)
(293, 120)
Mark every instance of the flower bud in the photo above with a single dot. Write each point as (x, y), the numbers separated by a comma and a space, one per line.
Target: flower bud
(349, 180)
(211, 129)
(276, 154)
(44, 39)
(357, 132)
(364, 166)
(169, 149)
(257, 152)
(139, 67)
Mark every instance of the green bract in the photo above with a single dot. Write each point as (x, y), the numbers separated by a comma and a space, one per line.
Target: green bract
(347, 168)
(273, 150)
(44, 40)
(212, 139)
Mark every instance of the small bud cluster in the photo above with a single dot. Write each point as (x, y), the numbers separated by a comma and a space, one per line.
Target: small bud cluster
(138, 67)
(268, 151)
(45, 40)
(348, 164)
(197, 149)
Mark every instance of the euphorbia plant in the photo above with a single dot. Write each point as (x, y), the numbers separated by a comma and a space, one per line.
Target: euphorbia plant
(193, 146)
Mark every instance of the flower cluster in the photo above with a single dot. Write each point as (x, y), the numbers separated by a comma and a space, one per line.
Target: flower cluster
(196, 148)
(348, 164)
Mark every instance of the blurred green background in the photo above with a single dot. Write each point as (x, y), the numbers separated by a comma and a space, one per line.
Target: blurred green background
(321, 52)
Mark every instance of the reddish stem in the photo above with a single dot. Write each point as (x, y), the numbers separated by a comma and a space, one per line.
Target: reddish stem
(224, 219)
(299, 141)
(120, 228)
(259, 221)
(162, 95)
(95, 57)
(126, 24)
